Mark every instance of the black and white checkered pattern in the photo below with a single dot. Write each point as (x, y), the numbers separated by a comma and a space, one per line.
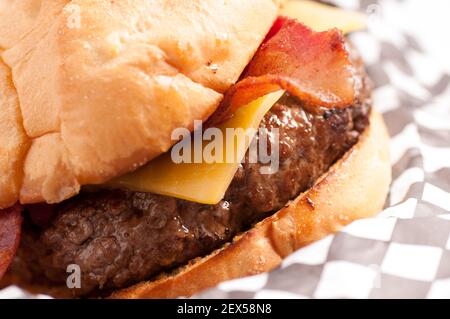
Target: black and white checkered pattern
(405, 251)
(391, 256)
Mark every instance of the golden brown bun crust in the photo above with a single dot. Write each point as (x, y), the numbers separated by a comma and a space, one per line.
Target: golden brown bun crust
(102, 84)
(355, 187)
(13, 141)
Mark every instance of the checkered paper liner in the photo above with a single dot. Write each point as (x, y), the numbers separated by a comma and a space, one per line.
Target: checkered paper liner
(405, 251)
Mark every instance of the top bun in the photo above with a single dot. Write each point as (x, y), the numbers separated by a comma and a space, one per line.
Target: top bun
(94, 89)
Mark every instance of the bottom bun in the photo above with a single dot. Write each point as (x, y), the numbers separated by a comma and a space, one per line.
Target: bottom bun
(355, 187)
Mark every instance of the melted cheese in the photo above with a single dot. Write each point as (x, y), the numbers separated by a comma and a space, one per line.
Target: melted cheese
(322, 17)
(202, 182)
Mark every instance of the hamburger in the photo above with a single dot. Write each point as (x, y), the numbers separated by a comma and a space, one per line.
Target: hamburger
(91, 94)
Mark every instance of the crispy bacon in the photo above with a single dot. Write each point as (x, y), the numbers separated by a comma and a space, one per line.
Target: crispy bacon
(10, 230)
(313, 66)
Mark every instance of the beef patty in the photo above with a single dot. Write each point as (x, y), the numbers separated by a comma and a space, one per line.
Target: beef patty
(119, 237)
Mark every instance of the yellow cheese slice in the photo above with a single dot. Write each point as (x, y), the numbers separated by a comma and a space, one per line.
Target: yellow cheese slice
(321, 17)
(202, 182)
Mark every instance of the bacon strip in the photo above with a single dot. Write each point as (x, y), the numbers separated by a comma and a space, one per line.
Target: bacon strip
(10, 230)
(313, 66)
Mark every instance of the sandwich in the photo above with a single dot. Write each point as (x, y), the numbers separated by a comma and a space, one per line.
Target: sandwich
(118, 177)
